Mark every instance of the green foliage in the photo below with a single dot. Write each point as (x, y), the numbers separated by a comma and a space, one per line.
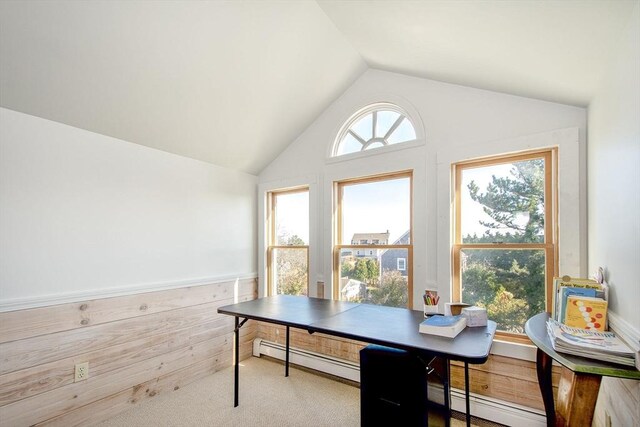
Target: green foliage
(294, 240)
(291, 267)
(347, 269)
(508, 312)
(393, 290)
(367, 270)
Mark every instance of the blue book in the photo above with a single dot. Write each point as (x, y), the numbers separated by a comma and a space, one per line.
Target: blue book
(566, 291)
(444, 326)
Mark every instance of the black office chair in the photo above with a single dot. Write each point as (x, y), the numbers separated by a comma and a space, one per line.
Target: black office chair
(393, 387)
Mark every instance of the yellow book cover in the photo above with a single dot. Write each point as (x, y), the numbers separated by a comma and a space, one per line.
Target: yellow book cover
(586, 313)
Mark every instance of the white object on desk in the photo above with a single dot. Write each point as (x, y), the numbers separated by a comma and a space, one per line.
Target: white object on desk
(476, 316)
(430, 310)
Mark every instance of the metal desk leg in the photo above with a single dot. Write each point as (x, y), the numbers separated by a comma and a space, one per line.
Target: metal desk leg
(466, 392)
(447, 395)
(236, 371)
(286, 363)
(236, 333)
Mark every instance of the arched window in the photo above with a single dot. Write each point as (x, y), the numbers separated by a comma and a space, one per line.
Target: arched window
(375, 126)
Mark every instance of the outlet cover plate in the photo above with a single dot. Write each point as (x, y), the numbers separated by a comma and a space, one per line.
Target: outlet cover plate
(82, 372)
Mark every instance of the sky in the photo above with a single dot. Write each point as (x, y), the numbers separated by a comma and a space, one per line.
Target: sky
(382, 205)
(376, 207)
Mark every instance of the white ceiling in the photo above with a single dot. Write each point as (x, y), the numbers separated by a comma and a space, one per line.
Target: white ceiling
(553, 50)
(234, 82)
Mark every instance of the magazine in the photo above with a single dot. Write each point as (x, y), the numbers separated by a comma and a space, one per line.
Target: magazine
(605, 346)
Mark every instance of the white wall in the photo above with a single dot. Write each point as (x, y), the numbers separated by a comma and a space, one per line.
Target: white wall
(614, 177)
(83, 213)
(457, 123)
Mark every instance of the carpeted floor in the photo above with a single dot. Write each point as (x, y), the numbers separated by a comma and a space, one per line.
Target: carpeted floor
(267, 398)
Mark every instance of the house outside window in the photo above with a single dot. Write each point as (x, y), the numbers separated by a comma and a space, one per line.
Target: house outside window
(362, 271)
(505, 236)
(288, 237)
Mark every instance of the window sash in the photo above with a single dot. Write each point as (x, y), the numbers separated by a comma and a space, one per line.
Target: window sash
(338, 193)
(550, 224)
(272, 238)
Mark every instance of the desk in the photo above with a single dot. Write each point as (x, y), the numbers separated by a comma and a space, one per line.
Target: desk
(579, 380)
(387, 326)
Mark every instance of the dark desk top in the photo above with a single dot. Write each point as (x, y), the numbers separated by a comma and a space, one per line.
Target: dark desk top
(393, 327)
(288, 310)
(536, 330)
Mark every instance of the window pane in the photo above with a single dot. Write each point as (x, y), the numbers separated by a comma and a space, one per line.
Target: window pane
(370, 275)
(364, 127)
(348, 145)
(386, 119)
(379, 209)
(509, 283)
(292, 218)
(403, 133)
(503, 203)
(290, 270)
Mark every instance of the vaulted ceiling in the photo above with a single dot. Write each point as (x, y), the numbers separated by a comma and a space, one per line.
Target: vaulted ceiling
(234, 82)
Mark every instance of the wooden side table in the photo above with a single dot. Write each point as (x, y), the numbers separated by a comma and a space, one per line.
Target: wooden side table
(579, 380)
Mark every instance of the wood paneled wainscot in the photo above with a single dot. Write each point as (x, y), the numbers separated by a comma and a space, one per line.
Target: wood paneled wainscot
(137, 346)
(503, 378)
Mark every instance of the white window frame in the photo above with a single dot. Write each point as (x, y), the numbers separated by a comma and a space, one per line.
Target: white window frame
(571, 202)
(371, 103)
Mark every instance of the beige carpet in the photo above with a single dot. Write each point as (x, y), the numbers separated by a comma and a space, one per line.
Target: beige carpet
(267, 398)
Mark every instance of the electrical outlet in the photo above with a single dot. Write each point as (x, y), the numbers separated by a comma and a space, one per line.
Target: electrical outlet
(82, 372)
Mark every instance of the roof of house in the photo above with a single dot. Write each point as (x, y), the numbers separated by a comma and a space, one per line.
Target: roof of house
(370, 237)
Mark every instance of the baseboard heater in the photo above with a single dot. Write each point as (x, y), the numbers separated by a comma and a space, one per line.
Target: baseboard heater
(495, 410)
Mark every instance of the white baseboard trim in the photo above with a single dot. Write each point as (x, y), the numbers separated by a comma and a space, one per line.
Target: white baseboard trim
(308, 359)
(625, 330)
(495, 410)
(69, 297)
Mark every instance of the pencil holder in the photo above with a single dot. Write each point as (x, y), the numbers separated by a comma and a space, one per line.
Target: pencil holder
(430, 310)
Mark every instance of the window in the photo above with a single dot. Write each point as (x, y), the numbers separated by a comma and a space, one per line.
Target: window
(402, 264)
(370, 209)
(288, 250)
(505, 247)
(376, 126)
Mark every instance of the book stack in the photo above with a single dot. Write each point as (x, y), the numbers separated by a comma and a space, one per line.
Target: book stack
(604, 346)
(593, 294)
(444, 326)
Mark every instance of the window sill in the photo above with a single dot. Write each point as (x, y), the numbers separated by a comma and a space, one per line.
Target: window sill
(514, 350)
(376, 151)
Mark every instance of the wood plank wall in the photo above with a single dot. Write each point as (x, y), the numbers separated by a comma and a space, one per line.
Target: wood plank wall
(618, 403)
(137, 346)
(500, 377)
